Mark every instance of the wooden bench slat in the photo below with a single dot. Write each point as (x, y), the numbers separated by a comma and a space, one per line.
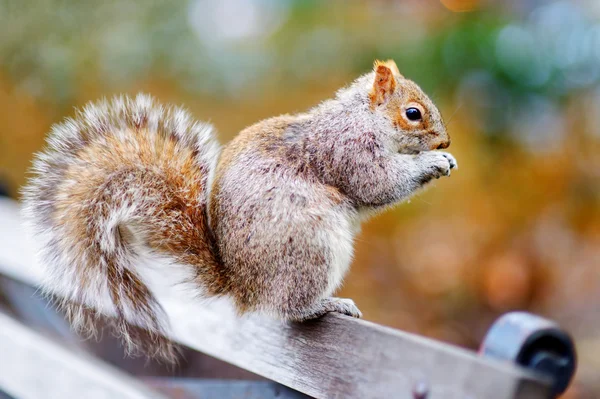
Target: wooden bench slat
(32, 366)
(335, 357)
(193, 388)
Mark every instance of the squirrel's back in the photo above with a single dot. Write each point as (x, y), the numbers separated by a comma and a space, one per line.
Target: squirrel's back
(118, 179)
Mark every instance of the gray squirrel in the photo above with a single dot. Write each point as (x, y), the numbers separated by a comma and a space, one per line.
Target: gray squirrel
(268, 221)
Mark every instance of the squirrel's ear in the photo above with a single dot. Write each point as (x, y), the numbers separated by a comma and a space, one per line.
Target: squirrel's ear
(385, 81)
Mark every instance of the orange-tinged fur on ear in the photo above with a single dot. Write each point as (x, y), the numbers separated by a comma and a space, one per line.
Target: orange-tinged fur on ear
(384, 83)
(391, 64)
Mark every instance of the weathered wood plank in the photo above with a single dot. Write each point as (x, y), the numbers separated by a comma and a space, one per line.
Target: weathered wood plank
(342, 357)
(32, 366)
(192, 388)
(335, 357)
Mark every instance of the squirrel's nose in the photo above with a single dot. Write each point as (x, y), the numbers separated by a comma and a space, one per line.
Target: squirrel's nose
(444, 144)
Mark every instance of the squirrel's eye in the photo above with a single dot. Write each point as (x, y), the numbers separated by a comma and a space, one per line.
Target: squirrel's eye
(413, 114)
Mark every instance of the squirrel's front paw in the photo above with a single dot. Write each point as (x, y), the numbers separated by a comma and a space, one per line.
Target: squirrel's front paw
(451, 160)
(437, 164)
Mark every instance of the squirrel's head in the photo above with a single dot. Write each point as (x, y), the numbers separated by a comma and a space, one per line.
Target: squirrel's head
(409, 111)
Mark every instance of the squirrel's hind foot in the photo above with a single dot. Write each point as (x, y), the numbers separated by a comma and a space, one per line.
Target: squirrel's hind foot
(342, 305)
(329, 305)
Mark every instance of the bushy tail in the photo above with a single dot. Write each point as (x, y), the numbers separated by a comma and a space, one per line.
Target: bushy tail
(123, 180)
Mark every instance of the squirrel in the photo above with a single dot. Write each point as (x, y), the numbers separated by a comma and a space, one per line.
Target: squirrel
(267, 221)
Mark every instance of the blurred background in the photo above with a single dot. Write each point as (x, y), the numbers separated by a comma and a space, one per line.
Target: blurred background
(518, 81)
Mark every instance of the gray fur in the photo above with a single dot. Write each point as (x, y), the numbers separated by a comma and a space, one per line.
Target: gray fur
(271, 226)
